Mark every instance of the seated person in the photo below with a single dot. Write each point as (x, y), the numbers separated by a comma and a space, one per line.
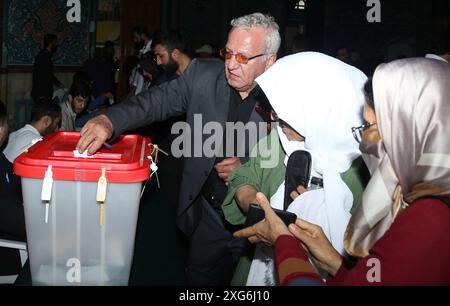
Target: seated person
(149, 70)
(45, 119)
(95, 106)
(315, 118)
(99, 100)
(100, 72)
(399, 234)
(12, 220)
(74, 104)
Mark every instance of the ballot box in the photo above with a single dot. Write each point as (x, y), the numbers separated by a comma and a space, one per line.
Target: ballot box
(81, 211)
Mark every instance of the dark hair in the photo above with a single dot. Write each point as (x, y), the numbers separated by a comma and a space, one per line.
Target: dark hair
(440, 44)
(148, 64)
(81, 77)
(81, 89)
(48, 39)
(368, 93)
(45, 107)
(141, 29)
(3, 114)
(171, 40)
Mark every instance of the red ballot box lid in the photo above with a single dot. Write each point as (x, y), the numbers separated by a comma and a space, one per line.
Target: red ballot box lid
(125, 161)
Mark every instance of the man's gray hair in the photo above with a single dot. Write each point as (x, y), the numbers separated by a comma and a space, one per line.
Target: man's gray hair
(267, 22)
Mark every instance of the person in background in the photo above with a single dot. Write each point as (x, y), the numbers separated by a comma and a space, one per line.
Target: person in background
(171, 58)
(150, 70)
(399, 233)
(205, 51)
(171, 54)
(109, 53)
(4, 128)
(45, 119)
(94, 105)
(12, 219)
(74, 104)
(43, 74)
(143, 42)
(100, 74)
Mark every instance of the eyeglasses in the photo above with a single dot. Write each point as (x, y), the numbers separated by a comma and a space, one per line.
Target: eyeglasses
(240, 58)
(358, 131)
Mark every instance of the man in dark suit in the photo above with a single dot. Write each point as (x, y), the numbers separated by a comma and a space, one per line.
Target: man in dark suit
(43, 77)
(219, 93)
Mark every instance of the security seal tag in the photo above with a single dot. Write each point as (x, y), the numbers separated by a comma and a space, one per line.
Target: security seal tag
(46, 195)
(101, 187)
(101, 195)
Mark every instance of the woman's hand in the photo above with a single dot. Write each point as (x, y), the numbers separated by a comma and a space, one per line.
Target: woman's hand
(299, 191)
(245, 196)
(268, 230)
(318, 245)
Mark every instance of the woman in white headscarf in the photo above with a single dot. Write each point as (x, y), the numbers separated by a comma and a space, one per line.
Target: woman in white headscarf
(400, 231)
(317, 97)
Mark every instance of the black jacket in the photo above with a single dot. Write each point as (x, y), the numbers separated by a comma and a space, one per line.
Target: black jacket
(202, 89)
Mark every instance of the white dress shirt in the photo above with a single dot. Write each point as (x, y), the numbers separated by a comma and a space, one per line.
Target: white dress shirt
(137, 78)
(20, 141)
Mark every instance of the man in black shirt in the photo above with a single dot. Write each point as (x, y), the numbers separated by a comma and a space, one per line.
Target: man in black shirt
(43, 77)
(240, 110)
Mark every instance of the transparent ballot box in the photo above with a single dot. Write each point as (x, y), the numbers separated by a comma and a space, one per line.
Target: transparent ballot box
(81, 211)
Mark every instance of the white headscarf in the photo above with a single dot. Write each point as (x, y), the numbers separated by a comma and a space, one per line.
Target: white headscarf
(412, 159)
(322, 99)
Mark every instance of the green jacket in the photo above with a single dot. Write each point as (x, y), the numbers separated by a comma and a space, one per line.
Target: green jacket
(267, 181)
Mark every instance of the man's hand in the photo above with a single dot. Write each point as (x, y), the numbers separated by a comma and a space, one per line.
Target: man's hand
(268, 230)
(94, 134)
(246, 195)
(315, 241)
(225, 167)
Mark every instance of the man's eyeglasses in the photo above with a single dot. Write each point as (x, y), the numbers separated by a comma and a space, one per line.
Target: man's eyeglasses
(358, 131)
(240, 58)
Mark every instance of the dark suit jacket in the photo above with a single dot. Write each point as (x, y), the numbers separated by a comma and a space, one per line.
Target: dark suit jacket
(202, 89)
(43, 77)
